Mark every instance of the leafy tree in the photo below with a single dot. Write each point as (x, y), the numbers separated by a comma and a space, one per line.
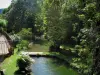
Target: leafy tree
(60, 20)
(23, 63)
(51, 19)
(18, 14)
(90, 32)
(25, 34)
(3, 24)
(22, 45)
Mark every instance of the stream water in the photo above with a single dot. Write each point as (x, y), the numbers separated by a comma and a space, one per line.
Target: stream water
(51, 66)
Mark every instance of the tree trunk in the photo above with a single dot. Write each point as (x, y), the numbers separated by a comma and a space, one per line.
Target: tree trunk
(96, 62)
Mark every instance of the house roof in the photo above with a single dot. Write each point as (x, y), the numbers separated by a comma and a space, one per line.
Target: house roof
(4, 45)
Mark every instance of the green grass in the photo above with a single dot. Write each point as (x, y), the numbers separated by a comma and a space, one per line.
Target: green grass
(9, 64)
(39, 48)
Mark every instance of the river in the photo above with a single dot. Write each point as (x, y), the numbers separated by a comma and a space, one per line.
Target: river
(51, 66)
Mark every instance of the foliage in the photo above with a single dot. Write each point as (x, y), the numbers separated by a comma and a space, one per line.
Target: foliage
(10, 63)
(75, 22)
(61, 22)
(71, 22)
(24, 63)
(3, 23)
(25, 33)
(18, 13)
(22, 45)
(89, 33)
(57, 24)
(15, 38)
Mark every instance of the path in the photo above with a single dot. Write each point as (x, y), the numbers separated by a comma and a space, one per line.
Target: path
(33, 53)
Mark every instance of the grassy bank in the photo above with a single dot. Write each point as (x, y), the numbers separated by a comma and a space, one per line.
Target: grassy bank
(39, 48)
(9, 64)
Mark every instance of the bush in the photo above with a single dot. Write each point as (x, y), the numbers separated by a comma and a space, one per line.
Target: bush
(3, 24)
(24, 63)
(15, 39)
(25, 34)
(23, 45)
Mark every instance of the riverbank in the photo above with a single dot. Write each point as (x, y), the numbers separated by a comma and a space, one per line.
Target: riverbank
(58, 55)
(9, 64)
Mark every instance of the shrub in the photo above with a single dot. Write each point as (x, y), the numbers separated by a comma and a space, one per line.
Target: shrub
(24, 63)
(25, 34)
(3, 24)
(23, 45)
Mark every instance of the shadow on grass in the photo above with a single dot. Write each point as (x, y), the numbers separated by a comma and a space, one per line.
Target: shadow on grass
(3, 57)
(19, 72)
(41, 42)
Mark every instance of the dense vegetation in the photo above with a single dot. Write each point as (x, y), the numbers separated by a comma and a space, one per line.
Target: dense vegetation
(66, 24)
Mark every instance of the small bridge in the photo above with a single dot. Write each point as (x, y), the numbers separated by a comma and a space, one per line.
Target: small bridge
(33, 53)
(40, 54)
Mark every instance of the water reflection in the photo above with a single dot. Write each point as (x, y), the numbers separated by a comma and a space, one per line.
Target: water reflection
(49, 66)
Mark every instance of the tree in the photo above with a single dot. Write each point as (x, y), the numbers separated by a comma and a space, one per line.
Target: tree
(18, 14)
(3, 24)
(59, 20)
(51, 19)
(90, 32)
(23, 64)
(25, 34)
